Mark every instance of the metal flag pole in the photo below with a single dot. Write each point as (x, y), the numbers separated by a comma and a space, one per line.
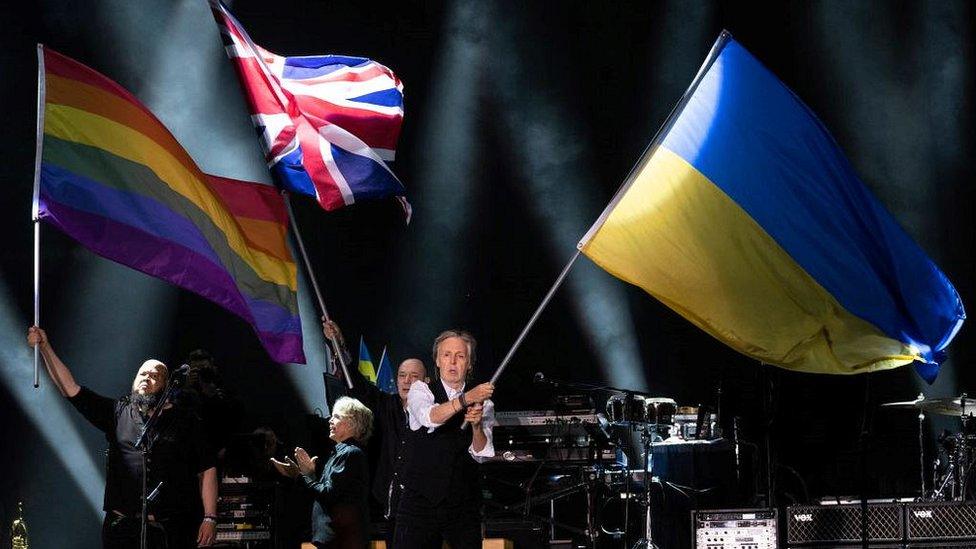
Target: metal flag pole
(337, 352)
(338, 356)
(651, 148)
(720, 42)
(532, 319)
(37, 297)
(379, 367)
(41, 92)
(535, 316)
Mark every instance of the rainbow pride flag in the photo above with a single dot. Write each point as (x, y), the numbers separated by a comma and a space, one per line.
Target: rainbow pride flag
(112, 177)
(746, 218)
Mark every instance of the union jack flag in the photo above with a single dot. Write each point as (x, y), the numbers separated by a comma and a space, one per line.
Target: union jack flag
(329, 123)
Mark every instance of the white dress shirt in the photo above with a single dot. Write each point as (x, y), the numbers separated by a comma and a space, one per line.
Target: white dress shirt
(420, 401)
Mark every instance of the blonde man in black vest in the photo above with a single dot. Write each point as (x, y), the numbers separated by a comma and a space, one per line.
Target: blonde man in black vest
(441, 499)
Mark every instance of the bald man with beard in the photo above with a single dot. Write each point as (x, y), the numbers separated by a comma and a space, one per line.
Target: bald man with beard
(185, 511)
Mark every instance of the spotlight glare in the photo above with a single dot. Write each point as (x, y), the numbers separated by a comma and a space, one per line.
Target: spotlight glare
(44, 406)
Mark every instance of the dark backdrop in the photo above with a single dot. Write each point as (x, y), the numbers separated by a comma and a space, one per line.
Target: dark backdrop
(522, 120)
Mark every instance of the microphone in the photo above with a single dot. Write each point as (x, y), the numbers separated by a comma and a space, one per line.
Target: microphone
(540, 379)
(181, 370)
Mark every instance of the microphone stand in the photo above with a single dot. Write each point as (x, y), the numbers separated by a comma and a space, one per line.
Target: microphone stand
(964, 460)
(147, 438)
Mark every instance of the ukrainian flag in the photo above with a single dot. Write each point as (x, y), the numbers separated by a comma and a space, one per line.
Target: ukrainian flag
(745, 217)
(366, 362)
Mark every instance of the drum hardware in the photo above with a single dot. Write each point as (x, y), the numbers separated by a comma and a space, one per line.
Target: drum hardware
(703, 423)
(921, 450)
(738, 450)
(965, 459)
(647, 440)
(958, 448)
(653, 419)
(574, 428)
(960, 452)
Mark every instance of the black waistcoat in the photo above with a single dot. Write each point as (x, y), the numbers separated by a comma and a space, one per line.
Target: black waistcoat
(437, 464)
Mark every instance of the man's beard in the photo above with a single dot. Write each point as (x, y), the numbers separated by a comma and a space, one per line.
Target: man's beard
(144, 403)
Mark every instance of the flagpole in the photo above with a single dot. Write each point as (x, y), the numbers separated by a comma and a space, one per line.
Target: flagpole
(720, 42)
(379, 367)
(532, 319)
(723, 38)
(335, 347)
(628, 181)
(41, 93)
(535, 316)
(338, 355)
(257, 54)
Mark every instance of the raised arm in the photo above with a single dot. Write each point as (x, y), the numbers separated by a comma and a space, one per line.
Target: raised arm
(59, 372)
(362, 389)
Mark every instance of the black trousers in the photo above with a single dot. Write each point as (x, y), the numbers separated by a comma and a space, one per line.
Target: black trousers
(123, 532)
(421, 524)
(390, 513)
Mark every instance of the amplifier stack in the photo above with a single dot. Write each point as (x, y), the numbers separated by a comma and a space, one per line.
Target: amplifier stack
(949, 521)
(888, 525)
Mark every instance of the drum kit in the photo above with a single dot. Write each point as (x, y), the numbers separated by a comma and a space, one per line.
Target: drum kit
(655, 420)
(956, 452)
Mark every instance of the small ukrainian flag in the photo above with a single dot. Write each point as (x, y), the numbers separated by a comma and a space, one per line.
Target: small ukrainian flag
(366, 363)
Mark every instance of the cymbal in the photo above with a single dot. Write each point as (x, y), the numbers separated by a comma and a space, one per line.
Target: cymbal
(948, 406)
(905, 404)
(951, 406)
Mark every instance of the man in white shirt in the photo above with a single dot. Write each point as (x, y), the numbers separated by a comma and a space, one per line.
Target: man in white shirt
(441, 499)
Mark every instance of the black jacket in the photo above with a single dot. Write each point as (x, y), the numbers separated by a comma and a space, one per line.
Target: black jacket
(390, 422)
(340, 516)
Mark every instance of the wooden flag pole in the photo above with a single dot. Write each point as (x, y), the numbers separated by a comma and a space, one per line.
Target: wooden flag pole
(338, 354)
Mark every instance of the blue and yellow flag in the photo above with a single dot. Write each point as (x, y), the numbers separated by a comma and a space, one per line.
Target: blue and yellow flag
(366, 362)
(747, 219)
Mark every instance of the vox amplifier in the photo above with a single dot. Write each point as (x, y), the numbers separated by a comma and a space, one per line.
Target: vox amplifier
(940, 521)
(810, 525)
